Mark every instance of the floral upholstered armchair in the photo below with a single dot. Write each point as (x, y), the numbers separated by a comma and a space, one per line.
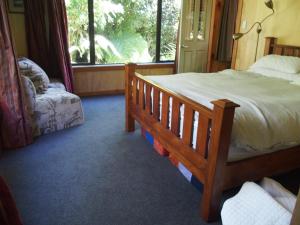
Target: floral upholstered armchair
(52, 108)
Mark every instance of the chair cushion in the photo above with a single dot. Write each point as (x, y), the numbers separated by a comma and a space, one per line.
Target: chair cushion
(36, 74)
(56, 83)
(57, 109)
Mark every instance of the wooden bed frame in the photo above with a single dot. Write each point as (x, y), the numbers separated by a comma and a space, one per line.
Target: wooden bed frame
(208, 162)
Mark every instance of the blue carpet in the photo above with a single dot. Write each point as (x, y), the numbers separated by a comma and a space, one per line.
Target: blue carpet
(97, 174)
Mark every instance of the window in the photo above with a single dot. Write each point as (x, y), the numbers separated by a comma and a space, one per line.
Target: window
(120, 31)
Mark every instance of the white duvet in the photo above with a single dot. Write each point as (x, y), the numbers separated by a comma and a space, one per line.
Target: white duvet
(269, 116)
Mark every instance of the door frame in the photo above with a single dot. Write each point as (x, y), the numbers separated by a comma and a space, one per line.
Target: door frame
(217, 10)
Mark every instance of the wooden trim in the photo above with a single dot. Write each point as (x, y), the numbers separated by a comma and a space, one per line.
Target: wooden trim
(269, 164)
(99, 93)
(92, 68)
(237, 29)
(215, 25)
(214, 65)
(117, 67)
(156, 65)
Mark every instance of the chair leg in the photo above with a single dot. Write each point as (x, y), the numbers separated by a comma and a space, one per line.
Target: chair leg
(210, 205)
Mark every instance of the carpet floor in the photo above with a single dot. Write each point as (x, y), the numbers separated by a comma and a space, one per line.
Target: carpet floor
(97, 174)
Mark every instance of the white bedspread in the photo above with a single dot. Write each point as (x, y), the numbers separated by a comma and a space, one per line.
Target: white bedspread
(269, 116)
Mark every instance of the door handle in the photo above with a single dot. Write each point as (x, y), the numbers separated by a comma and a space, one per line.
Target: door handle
(184, 46)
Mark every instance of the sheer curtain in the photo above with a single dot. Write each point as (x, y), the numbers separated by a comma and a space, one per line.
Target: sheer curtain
(47, 38)
(15, 129)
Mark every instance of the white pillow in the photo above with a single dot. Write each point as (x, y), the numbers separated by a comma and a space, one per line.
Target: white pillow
(292, 77)
(286, 64)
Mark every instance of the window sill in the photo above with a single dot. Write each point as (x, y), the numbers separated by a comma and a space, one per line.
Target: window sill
(116, 67)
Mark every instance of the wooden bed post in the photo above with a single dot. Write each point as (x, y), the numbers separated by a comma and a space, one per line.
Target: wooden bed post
(269, 45)
(129, 72)
(223, 114)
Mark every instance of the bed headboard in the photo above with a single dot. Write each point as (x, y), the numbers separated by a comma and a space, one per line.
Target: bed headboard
(271, 47)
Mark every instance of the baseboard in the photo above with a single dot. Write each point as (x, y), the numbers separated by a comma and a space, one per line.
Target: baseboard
(100, 93)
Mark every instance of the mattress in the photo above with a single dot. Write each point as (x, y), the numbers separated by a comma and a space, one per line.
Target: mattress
(268, 119)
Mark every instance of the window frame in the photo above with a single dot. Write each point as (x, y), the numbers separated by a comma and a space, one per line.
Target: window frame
(91, 32)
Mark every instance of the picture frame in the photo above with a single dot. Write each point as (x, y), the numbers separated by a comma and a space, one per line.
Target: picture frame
(15, 6)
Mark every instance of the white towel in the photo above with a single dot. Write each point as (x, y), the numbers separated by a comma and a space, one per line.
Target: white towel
(279, 193)
(254, 206)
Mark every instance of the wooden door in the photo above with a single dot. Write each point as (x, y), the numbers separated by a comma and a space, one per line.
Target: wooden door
(194, 35)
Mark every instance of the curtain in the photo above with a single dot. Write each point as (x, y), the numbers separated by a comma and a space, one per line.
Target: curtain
(225, 44)
(37, 41)
(9, 214)
(58, 36)
(15, 129)
(47, 38)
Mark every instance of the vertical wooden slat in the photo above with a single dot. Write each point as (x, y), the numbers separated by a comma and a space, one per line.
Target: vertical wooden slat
(156, 103)
(187, 125)
(278, 50)
(202, 135)
(165, 110)
(175, 121)
(288, 51)
(148, 99)
(141, 95)
(134, 91)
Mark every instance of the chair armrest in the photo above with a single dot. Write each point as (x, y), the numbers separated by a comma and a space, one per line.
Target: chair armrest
(29, 92)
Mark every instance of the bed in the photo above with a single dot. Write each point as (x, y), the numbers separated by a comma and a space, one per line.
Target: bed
(204, 152)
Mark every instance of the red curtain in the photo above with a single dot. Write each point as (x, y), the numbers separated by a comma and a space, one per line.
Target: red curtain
(37, 41)
(15, 130)
(58, 36)
(47, 38)
(9, 214)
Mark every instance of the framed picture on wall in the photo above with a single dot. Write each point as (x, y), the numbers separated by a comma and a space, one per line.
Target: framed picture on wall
(15, 6)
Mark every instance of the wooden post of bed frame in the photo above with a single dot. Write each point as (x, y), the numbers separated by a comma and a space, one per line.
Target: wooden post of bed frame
(269, 45)
(129, 72)
(223, 114)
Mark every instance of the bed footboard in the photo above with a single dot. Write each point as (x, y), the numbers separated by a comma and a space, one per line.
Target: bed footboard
(159, 111)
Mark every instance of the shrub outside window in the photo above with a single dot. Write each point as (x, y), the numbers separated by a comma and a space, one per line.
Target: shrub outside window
(121, 31)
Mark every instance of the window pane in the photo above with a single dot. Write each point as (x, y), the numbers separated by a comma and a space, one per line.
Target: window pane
(169, 28)
(202, 20)
(78, 23)
(125, 30)
(189, 20)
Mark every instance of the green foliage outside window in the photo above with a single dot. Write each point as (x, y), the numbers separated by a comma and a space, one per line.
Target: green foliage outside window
(125, 30)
